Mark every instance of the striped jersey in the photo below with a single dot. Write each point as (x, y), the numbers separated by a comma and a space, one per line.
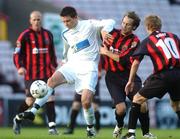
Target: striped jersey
(36, 53)
(163, 49)
(124, 46)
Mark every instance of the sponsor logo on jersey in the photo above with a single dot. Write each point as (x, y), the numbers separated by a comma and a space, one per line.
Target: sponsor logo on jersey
(40, 50)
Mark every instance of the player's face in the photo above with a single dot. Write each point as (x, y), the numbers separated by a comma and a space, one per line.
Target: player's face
(127, 25)
(35, 21)
(69, 22)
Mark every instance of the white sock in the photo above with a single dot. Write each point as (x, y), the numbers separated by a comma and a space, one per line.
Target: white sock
(42, 101)
(89, 116)
(131, 131)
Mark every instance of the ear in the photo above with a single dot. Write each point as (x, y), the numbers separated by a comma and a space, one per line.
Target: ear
(134, 28)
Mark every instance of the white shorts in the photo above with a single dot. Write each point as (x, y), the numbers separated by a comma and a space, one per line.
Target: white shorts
(83, 74)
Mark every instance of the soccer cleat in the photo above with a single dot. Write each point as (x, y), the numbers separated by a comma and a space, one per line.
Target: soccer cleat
(27, 115)
(16, 125)
(117, 132)
(68, 131)
(53, 131)
(149, 136)
(129, 136)
(91, 132)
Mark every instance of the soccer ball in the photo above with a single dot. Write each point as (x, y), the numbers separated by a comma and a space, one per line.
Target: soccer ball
(38, 89)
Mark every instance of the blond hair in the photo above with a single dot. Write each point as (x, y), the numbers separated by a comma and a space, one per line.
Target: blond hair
(153, 22)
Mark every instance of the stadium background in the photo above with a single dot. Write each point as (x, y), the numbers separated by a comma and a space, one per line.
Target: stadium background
(14, 17)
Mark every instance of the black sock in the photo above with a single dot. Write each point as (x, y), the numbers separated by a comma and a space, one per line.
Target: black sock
(50, 111)
(23, 107)
(73, 117)
(97, 117)
(178, 114)
(90, 126)
(120, 119)
(144, 120)
(133, 115)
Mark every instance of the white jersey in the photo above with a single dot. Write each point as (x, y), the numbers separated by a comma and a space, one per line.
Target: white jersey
(81, 43)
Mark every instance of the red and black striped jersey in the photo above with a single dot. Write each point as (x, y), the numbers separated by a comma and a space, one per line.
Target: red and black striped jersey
(36, 53)
(163, 49)
(124, 46)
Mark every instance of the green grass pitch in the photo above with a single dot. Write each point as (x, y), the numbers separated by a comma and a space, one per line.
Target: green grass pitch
(80, 133)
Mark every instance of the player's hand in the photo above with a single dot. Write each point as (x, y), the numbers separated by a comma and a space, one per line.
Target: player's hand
(129, 87)
(107, 38)
(21, 71)
(62, 62)
(103, 49)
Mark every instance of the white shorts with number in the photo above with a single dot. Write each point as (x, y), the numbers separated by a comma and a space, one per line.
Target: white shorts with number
(83, 74)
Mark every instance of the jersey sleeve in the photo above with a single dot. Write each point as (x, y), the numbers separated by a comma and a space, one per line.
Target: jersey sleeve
(142, 48)
(104, 25)
(52, 52)
(19, 52)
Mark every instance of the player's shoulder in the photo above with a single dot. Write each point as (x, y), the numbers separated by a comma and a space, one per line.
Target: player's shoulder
(65, 31)
(23, 34)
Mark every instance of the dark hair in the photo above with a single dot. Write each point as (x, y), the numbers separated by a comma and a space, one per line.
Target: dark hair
(68, 11)
(135, 17)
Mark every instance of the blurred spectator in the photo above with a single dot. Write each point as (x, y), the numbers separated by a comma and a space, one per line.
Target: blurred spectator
(3, 26)
(174, 2)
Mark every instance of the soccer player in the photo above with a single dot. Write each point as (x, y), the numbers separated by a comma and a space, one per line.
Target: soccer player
(81, 50)
(117, 64)
(35, 59)
(164, 50)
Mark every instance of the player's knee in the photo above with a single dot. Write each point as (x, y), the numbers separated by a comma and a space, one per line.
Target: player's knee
(175, 105)
(139, 99)
(86, 104)
(76, 105)
(121, 108)
(144, 107)
(51, 82)
(29, 101)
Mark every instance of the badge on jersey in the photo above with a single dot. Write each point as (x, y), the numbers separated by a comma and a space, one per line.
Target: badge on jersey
(81, 45)
(134, 44)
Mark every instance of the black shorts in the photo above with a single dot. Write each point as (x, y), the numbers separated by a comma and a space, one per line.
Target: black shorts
(157, 85)
(28, 85)
(116, 82)
(96, 98)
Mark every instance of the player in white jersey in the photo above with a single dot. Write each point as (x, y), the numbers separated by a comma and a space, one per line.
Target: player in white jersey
(81, 53)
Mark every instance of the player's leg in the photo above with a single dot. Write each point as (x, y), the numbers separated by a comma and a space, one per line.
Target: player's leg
(115, 86)
(144, 121)
(23, 107)
(176, 107)
(96, 104)
(97, 116)
(51, 115)
(86, 100)
(76, 106)
(154, 87)
(144, 113)
(175, 99)
(134, 115)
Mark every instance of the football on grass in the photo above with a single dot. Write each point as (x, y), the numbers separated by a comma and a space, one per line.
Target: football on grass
(38, 89)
